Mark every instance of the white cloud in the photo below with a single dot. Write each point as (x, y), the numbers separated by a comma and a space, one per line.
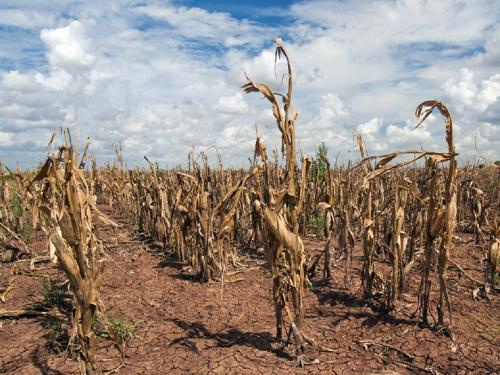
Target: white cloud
(491, 55)
(16, 81)
(199, 23)
(472, 95)
(6, 138)
(332, 110)
(26, 18)
(408, 135)
(463, 90)
(68, 46)
(489, 93)
(232, 105)
(57, 80)
(371, 127)
(333, 107)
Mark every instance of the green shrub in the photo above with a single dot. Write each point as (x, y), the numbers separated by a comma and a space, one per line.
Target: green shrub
(317, 224)
(496, 279)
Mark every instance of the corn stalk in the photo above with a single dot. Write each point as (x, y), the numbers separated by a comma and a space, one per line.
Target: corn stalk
(442, 220)
(280, 214)
(65, 209)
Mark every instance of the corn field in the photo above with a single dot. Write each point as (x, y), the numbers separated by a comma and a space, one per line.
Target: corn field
(404, 211)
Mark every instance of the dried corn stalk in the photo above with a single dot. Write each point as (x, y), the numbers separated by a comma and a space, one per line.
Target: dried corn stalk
(441, 217)
(280, 213)
(65, 210)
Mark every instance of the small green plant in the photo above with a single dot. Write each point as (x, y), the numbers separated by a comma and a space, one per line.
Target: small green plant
(56, 336)
(317, 224)
(496, 279)
(121, 328)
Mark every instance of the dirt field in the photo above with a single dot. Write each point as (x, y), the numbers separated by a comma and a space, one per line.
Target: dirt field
(187, 327)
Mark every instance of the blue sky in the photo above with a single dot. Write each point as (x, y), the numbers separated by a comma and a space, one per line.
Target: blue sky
(162, 77)
(271, 11)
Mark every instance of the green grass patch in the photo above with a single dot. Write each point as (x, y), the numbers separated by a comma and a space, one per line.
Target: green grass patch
(121, 328)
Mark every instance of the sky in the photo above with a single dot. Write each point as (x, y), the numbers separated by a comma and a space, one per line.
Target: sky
(164, 77)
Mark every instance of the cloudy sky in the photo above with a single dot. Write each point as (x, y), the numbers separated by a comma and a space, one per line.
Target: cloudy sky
(163, 76)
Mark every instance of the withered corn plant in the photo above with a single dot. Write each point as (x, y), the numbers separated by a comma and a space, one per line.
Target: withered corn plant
(441, 215)
(16, 201)
(213, 220)
(65, 209)
(280, 212)
(196, 213)
(396, 244)
(367, 230)
(346, 237)
(13, 206)
(397, 192)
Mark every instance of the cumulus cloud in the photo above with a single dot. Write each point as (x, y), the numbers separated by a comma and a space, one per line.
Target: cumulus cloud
(332, 110)
(16, 81)
(371, 127)
(407, 135)
(68, 46)
(472, 95)
(57, 80)
(233, 105)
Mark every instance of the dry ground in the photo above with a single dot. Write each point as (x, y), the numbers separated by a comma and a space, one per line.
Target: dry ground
(186, 327)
